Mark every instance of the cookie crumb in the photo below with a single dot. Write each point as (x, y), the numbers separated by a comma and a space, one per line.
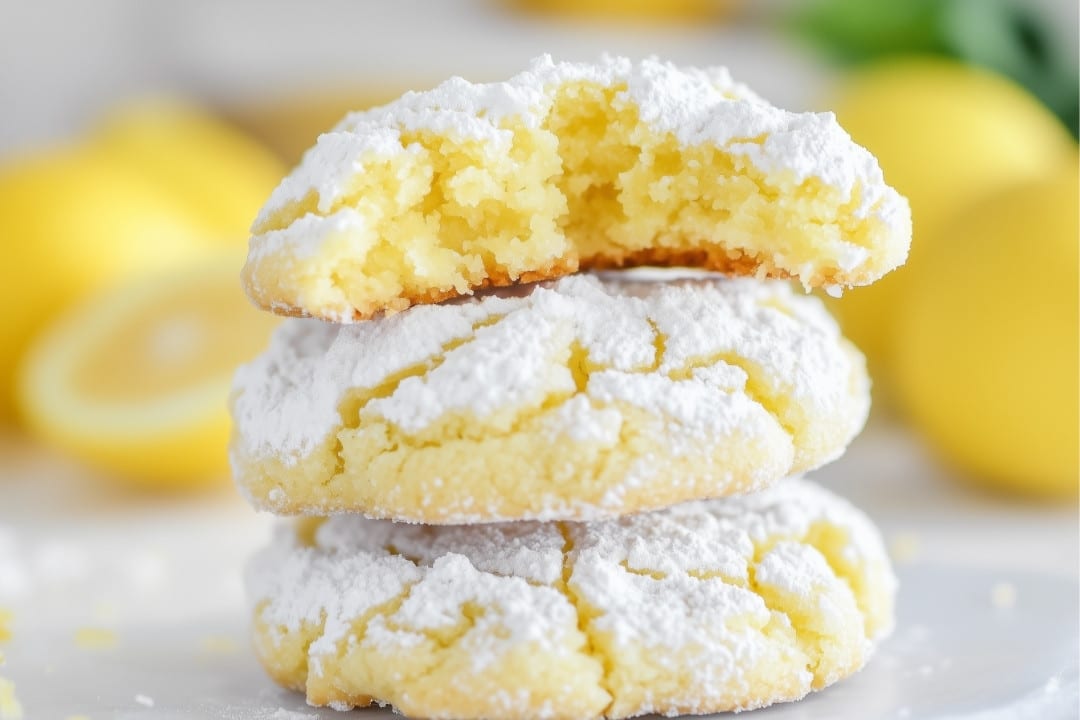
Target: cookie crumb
(10, 708)
(77, 717)
(218, 645)
(6, 618)
(145, 700)
(283, 714)
(1003, 596)
(905, 547)
(92, 638)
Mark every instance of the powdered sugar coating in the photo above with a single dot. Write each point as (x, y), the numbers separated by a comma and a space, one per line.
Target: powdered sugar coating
(697, 106)
(705, 589)
(508, 349)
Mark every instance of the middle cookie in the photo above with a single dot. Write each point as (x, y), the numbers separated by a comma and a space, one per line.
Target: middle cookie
(588, 397)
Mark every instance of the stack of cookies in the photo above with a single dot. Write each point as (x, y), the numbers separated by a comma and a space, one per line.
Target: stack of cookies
(530, 492)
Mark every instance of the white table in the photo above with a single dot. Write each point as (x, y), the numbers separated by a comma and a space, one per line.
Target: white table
(988, 603)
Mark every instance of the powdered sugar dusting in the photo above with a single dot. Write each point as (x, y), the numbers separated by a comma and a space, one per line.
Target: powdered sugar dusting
(671, 346)
(697, 106)
(665, 580)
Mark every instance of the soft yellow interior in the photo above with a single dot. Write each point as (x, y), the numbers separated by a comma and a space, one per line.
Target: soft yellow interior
(592, 184)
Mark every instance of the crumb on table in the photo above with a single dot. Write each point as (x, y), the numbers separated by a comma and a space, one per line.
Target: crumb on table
(218, 645)
(10, 708)
(1003, 595)
(905, 547)
(93, 638)
(6, 618)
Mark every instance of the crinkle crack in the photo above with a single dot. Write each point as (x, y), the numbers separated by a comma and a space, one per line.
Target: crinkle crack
(581, 367)
(826, 538)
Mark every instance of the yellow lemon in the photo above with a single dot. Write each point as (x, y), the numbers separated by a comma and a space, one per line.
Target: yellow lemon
(154, 187)
(987, 338)
(134, 381)
(945, 135)
(634, 11)
(291, 125)
(73, 221)
(221, 175)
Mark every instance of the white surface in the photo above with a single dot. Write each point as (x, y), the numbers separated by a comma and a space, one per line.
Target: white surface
(165, 578)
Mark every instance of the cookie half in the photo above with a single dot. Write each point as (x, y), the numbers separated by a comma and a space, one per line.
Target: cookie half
(710, 606)
(568, 166)
(585, 398)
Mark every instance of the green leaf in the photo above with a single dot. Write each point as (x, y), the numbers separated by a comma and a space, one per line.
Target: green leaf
(1006, 36)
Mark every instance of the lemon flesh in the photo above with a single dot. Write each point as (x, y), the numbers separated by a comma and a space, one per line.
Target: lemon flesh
(135, 381)
(154, 186)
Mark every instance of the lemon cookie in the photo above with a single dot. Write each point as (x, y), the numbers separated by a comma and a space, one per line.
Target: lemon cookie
(717, 605)
(582, 398)
(568, 166)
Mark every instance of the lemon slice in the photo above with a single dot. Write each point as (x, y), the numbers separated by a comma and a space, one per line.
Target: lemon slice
(135, 381)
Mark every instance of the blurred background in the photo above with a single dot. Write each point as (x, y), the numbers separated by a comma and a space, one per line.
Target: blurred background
(139, 139)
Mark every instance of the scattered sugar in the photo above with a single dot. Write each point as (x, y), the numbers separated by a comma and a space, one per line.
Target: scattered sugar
(13, 577)
(1003, 596)
(61, 561)
(145, 700)
(512, 350)
(283, 714)
(94, 638)
(145, 570)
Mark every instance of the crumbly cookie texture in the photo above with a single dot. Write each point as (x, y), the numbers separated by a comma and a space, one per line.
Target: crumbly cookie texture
(568, 166)
(587, 397)
(705, 607)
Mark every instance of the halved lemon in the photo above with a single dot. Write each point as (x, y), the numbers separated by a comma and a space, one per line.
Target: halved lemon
(135, 381)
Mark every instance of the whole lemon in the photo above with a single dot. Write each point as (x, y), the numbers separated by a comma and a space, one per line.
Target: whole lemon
(946, 135)
(73, 221)
(987, 338)
(155, 185)
(221, 174)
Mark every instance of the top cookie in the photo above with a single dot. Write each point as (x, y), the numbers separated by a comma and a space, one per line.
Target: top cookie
(568, 166)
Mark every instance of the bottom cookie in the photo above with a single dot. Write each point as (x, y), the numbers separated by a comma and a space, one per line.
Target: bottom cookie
(710, 606)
